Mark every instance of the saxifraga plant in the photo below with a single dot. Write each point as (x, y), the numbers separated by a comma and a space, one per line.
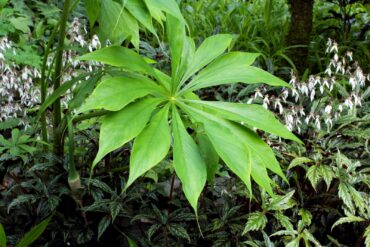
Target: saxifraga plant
(157, 109)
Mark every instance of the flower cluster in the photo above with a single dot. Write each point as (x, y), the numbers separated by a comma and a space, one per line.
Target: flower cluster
(17, 86)
(76, 35)
(315, 102)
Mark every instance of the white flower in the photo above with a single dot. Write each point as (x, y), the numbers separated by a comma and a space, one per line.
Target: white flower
(304, 89)
(352, 82)
(277, 104)
(349, 55)
(321, 89)
(357, 99)
(258, 94)
(329, 123)
(340, 108)
(348, 102)
(334, 47)
(317, 123)
(285, 95)
(336, 57)
(312, 95)
(328, 109)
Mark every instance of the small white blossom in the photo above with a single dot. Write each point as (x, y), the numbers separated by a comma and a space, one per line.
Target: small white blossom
(328, 109)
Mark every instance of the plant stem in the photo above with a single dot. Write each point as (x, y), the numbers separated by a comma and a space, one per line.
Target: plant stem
(43, 83)
(73, 176)
(57, 114)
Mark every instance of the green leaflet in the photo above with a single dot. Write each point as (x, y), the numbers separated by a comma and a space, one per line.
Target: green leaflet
(120, 127)
(186, 59)
(256, 221)
(253, 115)
(119, 56)
(187, 161)
(233, 68)
(116, 92)
(348, 219)
(176, 39)
(233, 152)
(34, 233)
(208, 154)
(144, 156)
(2, 236)
(92, 10)
(232, 60)
(139, 10)
(210, 49)
(168, 6)
(241, 149)
(112, 21)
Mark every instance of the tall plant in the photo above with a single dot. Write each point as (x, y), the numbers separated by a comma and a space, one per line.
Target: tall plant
(157, 110)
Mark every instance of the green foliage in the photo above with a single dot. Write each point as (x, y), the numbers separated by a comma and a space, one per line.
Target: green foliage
(30, 237)
(153, 127)
(18, 146)
(164, 92)
(120, 21)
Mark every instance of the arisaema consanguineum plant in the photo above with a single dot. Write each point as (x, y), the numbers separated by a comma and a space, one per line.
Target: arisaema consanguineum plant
(156, 109)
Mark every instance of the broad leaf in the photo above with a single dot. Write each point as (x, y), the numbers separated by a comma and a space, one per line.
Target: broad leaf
(34, 233)
(299, 161)
(256, 221)
(347, 219)
(208, 154)
(119, 56)
(168, 6)
(314, 175)
(92, 10)
(120, 127)
(103, 225)
(112, 21)
(226, 70)
(116, 92)
(139, 10)
(176, 37)
(2, 236)
(230, 61)
(241, 149)
(253, 115)
(151, 146)
(187, 161)
(210, 49)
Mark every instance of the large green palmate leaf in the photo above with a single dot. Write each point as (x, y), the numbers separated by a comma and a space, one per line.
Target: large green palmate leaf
(220, 127)
(118, 128)
(187, 161)
(253, 115)
(122, 89)
(144, 156)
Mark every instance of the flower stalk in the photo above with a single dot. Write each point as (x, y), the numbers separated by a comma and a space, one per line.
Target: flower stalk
(57, 114)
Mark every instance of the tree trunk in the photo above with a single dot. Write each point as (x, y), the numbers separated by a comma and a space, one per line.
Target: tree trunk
(300, 31)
